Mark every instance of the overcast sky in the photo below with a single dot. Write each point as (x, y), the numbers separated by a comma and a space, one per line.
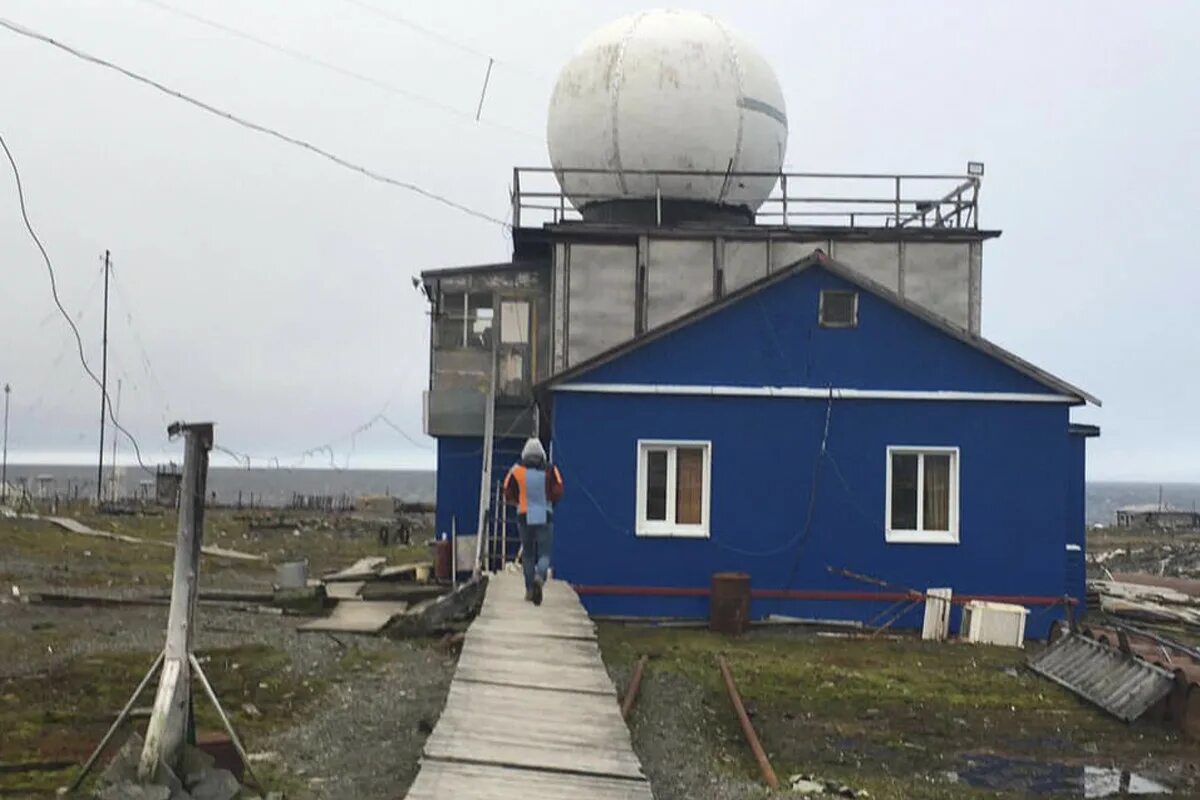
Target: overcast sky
(266, 289)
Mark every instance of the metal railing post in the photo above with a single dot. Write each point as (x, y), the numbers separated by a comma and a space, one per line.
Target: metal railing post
(897, 200)
(784, 188)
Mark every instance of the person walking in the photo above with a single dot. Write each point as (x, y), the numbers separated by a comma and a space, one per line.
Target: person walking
(534, 486)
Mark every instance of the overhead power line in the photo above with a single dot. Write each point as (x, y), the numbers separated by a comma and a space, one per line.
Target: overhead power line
(393, 16)
(254, 126)
(347, 73)
(54, 293)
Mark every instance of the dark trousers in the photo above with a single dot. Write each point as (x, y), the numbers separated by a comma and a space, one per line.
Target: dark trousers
(537, 541)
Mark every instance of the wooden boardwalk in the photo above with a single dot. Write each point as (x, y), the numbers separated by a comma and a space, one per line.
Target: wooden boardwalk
(531, 711)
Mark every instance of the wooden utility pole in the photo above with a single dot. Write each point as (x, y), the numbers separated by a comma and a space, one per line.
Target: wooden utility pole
(171, 720)
(4, 468)
(171, 724)
(103, 385)
(112, 463)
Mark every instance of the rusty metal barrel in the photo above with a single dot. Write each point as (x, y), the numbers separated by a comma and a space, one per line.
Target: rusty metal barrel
(729, 603)
(443, 556)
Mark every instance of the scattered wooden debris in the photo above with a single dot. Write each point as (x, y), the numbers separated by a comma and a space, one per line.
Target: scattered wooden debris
(77, 527)
(1147, 603)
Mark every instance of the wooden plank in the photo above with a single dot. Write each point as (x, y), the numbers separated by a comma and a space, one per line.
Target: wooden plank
(363, 569)
(557, 650)
(532, 711)
(404, 571)
(443, 779)
(533, 728)
(549, 663)
(356, 616)
(344, 590)
(525, 627)
(522, 665)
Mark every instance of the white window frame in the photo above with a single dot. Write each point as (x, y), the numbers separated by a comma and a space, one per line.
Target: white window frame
(668, 527)
(920, 536)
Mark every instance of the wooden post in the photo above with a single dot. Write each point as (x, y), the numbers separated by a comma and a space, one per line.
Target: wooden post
(170, 722)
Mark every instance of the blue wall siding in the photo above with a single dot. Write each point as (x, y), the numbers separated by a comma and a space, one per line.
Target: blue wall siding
(1015, 505)
(771, 338)
(460, 462)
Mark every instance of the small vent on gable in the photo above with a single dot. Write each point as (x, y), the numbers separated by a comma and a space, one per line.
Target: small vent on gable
(838, 309)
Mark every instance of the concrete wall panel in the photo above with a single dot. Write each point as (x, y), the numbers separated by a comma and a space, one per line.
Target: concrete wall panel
(679, 278)
(745, 262)
(938, 276)
(878, 261)
(602, 284)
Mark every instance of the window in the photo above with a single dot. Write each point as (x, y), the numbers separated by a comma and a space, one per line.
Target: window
(673, 489)
(838, 309)
(922, 495)
(465, 321)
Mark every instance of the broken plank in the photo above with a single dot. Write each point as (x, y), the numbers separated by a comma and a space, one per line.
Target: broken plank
(345, 590)
(363, 569)
(356, 616)
(402, 572)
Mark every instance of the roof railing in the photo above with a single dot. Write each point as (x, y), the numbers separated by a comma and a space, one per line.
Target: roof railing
(796, 198)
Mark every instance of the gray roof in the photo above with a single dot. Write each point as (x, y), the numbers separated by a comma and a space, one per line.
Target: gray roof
(848, 274)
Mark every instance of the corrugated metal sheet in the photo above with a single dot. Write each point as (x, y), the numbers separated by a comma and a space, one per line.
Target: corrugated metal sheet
(1120, 684)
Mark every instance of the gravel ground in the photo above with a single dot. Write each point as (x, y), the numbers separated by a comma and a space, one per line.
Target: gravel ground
(365, 738)
(681, 762)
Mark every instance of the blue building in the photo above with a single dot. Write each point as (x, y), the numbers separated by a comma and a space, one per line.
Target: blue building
(816, 421)
(741, 368)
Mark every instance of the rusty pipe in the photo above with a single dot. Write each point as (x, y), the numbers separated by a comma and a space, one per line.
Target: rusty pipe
(635, 682)
(760, 755)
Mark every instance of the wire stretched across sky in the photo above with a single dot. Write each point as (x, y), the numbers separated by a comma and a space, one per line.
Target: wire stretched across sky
(254, 126)
(346, 73)
(137, 450)
(393, 16)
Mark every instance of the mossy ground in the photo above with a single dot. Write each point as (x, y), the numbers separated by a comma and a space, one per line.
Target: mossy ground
(894, 717)
(62, 713)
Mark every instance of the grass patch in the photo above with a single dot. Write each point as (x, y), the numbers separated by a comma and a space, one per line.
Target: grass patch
(892, 717)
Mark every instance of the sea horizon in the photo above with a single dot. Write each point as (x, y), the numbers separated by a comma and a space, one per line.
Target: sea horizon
(274, 486)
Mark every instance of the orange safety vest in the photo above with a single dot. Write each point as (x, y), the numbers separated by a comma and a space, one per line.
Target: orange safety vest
(516, 492)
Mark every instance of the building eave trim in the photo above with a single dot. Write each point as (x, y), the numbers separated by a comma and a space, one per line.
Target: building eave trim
(820, 393)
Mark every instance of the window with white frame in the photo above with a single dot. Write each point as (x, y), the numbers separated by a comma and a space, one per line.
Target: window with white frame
(922, 495)
(673, 488)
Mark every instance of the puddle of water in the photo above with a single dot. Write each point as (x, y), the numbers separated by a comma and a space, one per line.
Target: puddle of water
(1044, 777)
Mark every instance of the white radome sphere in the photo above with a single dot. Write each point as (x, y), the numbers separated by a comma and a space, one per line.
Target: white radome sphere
(667, 90)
